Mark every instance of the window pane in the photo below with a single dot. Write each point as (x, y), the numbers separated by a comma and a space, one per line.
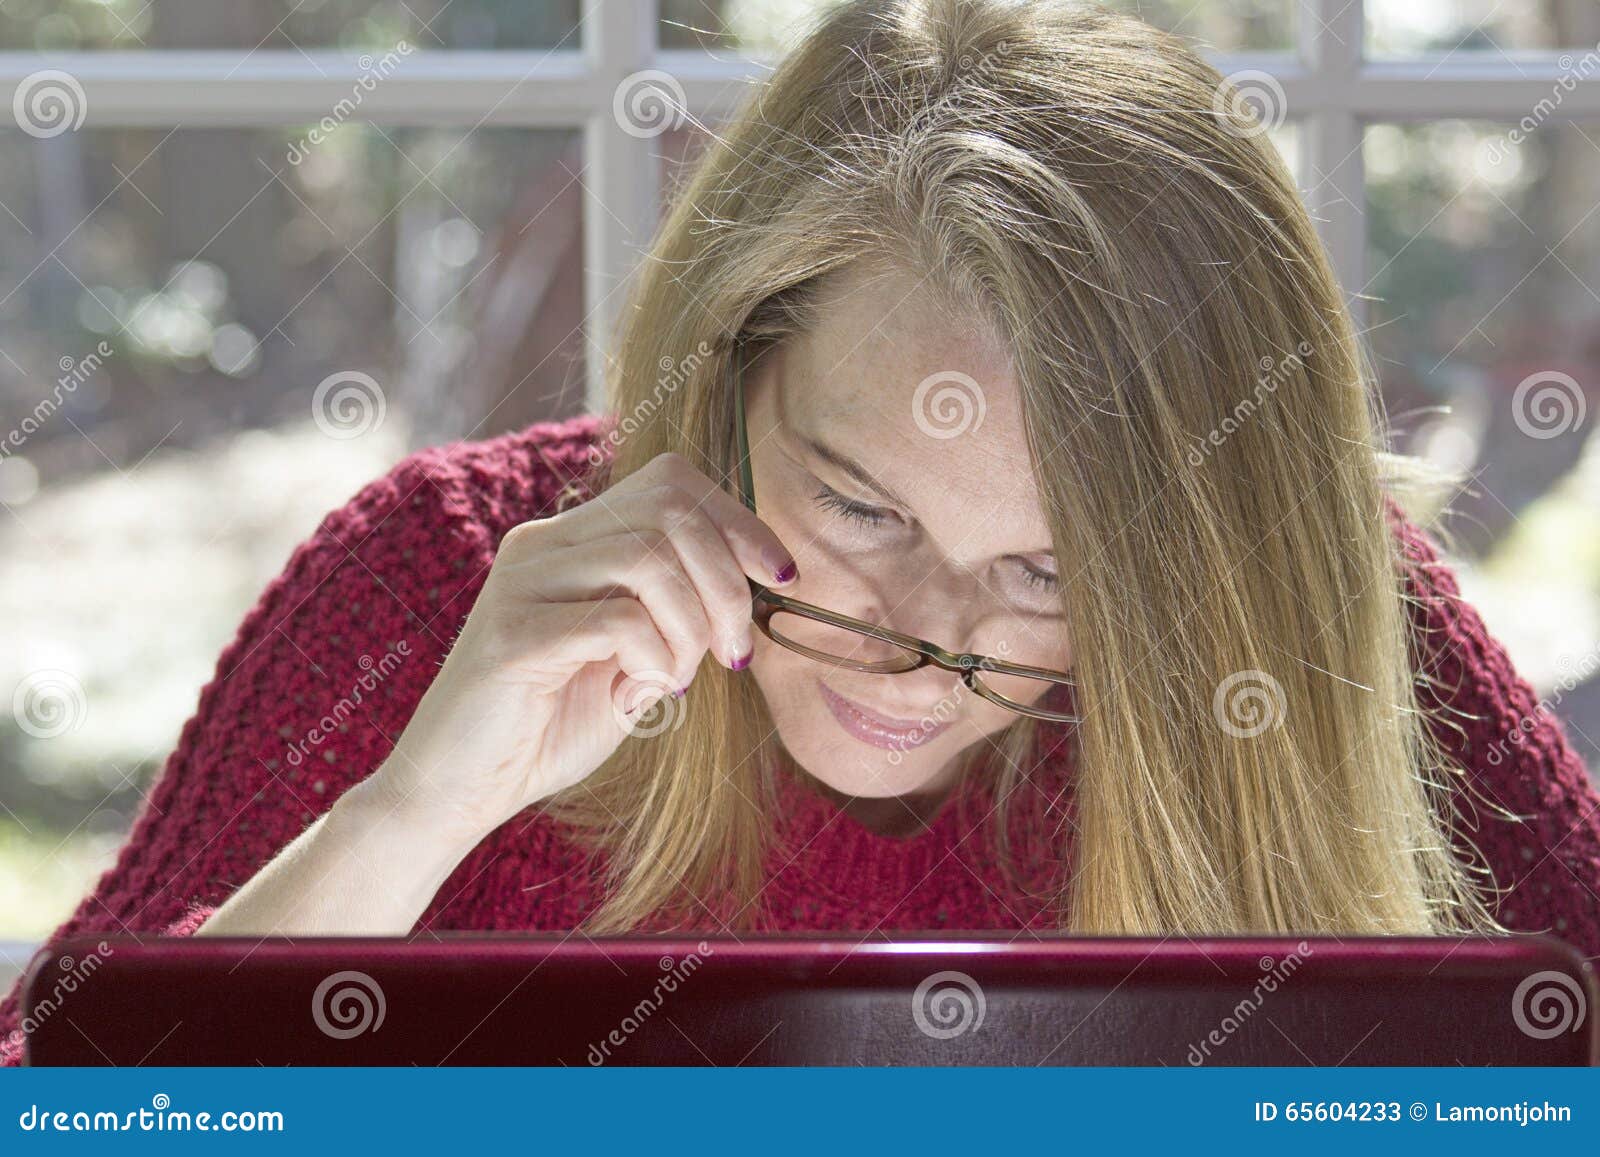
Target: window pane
(1484, 255)
(205, 349)
(1402, 27)
(287, 24)
(769, 26)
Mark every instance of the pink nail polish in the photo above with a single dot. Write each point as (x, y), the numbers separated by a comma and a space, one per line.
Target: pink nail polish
(740, 663)
(782, 567)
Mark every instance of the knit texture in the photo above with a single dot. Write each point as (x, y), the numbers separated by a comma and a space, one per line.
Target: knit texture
(307, 698)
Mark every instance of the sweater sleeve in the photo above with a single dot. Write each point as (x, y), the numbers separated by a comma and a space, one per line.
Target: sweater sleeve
(320, 677)
(1532, 809)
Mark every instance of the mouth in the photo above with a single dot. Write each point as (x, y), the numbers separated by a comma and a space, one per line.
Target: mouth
(877, 729)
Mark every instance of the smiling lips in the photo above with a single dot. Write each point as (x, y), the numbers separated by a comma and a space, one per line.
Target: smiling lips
(878, 730)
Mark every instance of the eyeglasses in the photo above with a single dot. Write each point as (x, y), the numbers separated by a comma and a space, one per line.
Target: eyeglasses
(842, 641)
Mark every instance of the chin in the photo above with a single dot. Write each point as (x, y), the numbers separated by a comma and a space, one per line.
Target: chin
(871, 774)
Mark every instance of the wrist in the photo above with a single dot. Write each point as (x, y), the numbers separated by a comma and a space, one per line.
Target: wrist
(412, 816)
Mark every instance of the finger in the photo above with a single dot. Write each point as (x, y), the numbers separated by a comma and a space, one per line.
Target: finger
(643, 565)
(761, 553)
(616, 629)
(666, 513)
(756, 548)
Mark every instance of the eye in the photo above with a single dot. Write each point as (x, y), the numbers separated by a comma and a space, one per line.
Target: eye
(1043, 580)
(830, 499)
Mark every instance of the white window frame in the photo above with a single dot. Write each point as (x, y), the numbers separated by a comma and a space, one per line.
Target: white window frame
(1331, 93)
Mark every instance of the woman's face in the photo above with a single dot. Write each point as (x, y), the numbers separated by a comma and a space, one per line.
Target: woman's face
(888, 453)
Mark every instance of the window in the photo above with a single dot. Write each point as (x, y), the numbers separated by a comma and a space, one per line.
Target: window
(207, 211)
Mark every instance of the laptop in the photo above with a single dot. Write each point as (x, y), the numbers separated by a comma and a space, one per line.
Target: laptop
(811, 999)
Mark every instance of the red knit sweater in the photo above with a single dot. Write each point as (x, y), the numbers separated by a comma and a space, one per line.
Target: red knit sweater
(403, 561)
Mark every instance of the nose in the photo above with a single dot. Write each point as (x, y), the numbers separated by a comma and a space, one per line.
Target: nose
(935, 603)
(938, 610)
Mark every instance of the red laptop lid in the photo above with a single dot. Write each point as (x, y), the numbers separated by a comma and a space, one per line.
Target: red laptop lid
(820, 999)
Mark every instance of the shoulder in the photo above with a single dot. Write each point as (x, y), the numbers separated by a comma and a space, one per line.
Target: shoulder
(493, 483)
(421, 530)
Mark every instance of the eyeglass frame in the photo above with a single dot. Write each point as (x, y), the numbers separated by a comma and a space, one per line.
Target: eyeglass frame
(768, 602)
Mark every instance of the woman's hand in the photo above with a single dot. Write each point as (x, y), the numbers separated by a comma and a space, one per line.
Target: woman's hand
(586, 619)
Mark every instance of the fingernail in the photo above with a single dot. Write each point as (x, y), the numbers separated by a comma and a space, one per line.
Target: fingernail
(741, 662)
(782, 567)
(678, 694)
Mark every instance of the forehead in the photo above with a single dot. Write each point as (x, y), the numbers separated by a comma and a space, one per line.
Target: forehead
(925, 397)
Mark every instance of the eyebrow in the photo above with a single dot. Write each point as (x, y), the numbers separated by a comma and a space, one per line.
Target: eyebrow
(853, 468)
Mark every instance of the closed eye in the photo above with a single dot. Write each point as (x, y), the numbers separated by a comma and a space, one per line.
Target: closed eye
(830, 499)
(1035, 577)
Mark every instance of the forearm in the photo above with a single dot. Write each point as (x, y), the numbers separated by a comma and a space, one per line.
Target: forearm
(363, 868)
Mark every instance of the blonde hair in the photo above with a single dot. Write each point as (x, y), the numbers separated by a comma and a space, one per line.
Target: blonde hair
(1205, 437)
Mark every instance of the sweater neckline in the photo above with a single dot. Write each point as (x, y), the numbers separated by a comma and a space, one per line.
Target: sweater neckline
(840, 854)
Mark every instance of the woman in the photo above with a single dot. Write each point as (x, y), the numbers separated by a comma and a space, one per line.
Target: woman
(1037, 358)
